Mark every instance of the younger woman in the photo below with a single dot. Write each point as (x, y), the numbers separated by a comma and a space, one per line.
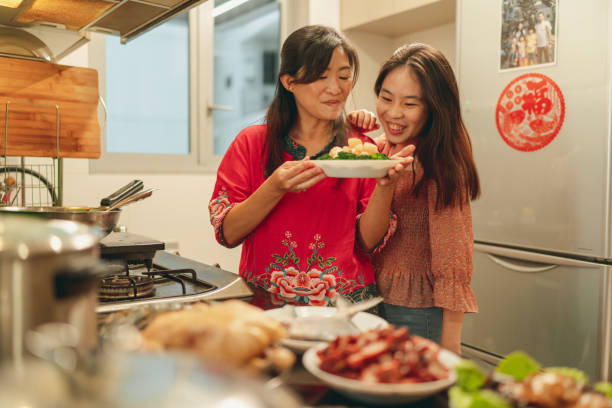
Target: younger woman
(305, 238)
(425, 269)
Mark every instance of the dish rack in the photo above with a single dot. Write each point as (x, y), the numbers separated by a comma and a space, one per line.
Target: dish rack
(30, 181)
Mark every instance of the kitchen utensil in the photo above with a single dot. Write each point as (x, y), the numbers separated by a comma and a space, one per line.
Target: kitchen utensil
(49, 271)
(132, 198)
(66, 102)
(125, 191)
(105, 218)
(5, 174)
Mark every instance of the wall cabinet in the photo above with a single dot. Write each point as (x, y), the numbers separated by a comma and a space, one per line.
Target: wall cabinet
(393, 18)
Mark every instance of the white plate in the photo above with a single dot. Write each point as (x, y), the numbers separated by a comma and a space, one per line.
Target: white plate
(355, 168)
(363, 320)
(376, 393)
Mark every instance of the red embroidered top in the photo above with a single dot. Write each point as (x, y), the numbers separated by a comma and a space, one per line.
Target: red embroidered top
(305, 251)
(428, 262)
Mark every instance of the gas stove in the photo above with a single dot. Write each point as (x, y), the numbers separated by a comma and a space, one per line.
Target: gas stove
(140, 272)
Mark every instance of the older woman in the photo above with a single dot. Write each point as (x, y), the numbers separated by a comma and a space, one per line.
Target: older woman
(305, 238)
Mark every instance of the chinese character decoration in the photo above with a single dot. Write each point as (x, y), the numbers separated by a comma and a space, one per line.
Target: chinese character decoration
(530, 112)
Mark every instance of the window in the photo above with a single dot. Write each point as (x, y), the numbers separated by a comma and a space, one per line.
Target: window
(246, 49)
(177, 95)
(147, 91)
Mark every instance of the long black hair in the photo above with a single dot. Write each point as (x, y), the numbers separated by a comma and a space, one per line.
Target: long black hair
(305, 55)
(443, 147)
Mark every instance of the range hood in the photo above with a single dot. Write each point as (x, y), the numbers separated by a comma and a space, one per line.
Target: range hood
(64, 25)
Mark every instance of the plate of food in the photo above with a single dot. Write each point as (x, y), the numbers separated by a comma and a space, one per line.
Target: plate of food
(520, 381)
(362, 321)
(230, 333)
(357, 160)
(383, 366)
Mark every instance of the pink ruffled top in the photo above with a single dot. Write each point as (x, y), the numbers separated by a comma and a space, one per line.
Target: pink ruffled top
(428, 262)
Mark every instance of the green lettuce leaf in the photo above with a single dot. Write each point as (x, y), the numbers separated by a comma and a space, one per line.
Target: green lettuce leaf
(605, 388)
(346, 156)
(518, 365)
(352, 156)
(469, 376)
(459, 398)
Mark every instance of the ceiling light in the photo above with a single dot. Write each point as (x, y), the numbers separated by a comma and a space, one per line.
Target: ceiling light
(225, 7)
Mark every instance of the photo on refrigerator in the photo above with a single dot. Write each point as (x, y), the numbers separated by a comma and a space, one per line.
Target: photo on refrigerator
(528, 35)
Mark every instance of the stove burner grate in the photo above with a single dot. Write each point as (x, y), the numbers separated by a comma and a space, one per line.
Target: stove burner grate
(131, 286)
(121, 287)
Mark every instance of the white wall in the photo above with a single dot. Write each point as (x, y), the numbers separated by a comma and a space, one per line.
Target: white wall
(442, 37)
(178, 213)
(325, 12)
(373, 50)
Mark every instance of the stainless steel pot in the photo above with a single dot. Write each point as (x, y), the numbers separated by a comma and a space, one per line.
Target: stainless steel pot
(49, 271)
(104, 217)
(92, 216)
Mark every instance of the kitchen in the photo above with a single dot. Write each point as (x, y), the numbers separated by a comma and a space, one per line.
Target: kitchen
(180, 203)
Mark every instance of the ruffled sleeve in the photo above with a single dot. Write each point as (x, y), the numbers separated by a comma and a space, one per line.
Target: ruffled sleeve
(381, 244)
(452, 246)
(233, 180)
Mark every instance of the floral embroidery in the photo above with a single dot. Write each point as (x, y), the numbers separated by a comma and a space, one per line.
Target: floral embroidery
(298, 152)
(218, 205)
(383, 242)
(318, 284)
(218, 209)
(313, 287)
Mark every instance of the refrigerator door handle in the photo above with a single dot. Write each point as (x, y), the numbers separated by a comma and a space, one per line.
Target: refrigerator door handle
(520, 268)
(549, 261)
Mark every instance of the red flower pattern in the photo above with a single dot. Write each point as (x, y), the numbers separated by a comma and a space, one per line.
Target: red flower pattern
(313, 285)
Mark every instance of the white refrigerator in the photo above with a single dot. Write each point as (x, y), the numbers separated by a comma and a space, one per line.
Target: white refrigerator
(543, 251)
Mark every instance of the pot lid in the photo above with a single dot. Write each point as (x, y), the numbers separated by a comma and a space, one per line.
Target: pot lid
(23, 237)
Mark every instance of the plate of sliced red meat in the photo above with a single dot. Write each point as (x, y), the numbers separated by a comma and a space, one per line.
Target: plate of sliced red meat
(383, 366)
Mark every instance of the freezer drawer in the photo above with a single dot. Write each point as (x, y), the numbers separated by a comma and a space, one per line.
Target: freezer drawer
(550, 307)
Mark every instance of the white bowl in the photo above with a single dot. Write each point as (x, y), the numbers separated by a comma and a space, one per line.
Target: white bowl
(382, 394)
(363, 320)
(355, 168)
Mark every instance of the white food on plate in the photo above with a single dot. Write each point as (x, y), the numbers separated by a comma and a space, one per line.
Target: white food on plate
(363, 321)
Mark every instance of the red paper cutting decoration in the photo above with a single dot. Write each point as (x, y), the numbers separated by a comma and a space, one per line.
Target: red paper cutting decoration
(530, 112)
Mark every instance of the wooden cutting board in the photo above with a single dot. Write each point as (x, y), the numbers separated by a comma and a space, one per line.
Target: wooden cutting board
(33, 90)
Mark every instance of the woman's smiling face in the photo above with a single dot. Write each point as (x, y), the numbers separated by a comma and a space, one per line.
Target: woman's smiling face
(401, 107)
(325, 97)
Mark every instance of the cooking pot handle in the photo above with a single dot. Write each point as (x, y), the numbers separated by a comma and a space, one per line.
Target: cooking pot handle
(125, 191)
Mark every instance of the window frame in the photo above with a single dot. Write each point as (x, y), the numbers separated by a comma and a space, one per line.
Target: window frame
(200, 158)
